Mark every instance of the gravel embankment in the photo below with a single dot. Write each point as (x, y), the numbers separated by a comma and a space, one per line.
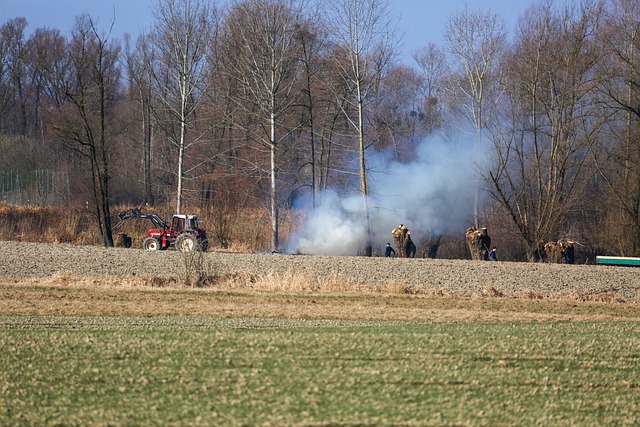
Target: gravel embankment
(21, 260)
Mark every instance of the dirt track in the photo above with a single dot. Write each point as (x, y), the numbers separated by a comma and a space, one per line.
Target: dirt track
(26, 260)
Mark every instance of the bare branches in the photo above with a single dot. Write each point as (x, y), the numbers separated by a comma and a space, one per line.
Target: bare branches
(542, 168)
(88, 82)
(182, 39)
(364, 46)
(477, 40)
(264, 62)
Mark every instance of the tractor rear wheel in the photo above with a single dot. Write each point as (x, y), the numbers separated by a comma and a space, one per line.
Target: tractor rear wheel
(186, 243)
(151, 244)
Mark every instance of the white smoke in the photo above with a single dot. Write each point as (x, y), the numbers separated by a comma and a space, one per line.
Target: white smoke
(432, 195)
(335, 227)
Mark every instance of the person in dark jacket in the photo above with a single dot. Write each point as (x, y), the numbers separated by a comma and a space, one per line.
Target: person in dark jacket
(493, 256)
(389, 251)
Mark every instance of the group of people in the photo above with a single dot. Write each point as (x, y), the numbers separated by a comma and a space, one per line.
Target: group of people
(407, 249)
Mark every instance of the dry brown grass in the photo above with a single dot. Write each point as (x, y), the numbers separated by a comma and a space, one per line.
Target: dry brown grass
(248, 229)
(600, 297)
(292, 296)
(47, 224)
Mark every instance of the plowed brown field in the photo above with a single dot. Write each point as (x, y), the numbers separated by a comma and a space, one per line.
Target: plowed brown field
(19, 260)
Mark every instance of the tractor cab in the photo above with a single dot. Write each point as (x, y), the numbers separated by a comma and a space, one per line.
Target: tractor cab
(186, 223)
(178, 223)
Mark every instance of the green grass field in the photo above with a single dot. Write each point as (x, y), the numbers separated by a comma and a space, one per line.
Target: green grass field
(197, 370)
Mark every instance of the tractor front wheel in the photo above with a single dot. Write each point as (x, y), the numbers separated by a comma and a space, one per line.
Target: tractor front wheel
(204, 244)
(186, 243)
(151, 244)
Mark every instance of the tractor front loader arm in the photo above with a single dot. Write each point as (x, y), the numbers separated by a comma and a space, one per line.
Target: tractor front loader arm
(135, 213)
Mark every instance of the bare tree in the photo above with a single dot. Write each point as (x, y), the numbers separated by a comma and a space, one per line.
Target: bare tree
(476, 40)
(88, 83)
(312, 42)
(365, 45)
(138, 65)
(432, 64)
(542, 163)
(45, 48)
(262, 37)
(5, 63)
(398, 114)
(182, 40)
(13, 73)
(618, 160)
(333, 128)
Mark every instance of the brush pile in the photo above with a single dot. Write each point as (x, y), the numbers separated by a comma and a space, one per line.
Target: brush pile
(402, 237)
(479, 243)
(560, 252)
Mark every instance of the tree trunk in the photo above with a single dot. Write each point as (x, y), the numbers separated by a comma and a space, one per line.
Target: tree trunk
(273, 193)
(368, 249)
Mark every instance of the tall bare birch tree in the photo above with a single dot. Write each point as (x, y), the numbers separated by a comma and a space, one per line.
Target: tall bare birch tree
(264, 61)
(476, 40)
(365, 45)
(182, 40)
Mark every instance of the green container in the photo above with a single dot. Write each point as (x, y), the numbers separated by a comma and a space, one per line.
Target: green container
(618, 260)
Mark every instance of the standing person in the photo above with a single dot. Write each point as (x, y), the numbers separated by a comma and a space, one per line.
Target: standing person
(389, 251)
(493, 256)
(409, 246)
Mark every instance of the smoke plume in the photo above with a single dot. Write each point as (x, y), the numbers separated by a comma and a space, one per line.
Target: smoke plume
(432, 195)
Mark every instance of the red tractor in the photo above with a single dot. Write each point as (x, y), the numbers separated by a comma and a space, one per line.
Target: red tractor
(182, 233)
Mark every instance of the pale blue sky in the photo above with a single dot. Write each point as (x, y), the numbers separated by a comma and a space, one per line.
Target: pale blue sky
(421, 21)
